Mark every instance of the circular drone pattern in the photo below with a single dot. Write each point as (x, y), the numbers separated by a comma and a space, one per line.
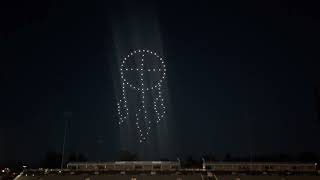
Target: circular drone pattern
(142, 71)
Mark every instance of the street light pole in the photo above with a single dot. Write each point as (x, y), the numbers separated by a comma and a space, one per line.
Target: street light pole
(64, 142)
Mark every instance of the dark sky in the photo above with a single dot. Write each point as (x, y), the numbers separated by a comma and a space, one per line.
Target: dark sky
(241, 76)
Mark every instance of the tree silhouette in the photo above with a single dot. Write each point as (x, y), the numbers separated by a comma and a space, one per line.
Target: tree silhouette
(52, 160)
(227, 157)
(307, 157)
(209, 157)
(127, 156)
(77, 157)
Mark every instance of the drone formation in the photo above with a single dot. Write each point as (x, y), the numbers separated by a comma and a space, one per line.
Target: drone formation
(146, 65)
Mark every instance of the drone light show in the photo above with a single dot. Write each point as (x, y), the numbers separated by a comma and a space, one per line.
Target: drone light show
(142, 72)
(142, 112)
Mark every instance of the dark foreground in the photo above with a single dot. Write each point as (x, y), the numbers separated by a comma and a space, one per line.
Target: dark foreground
(166, 170)
(168, 177)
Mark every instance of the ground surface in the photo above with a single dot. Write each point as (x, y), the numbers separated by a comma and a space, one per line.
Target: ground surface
(163, 177)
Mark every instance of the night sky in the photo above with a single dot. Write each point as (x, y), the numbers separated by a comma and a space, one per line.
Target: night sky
(242, 76)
